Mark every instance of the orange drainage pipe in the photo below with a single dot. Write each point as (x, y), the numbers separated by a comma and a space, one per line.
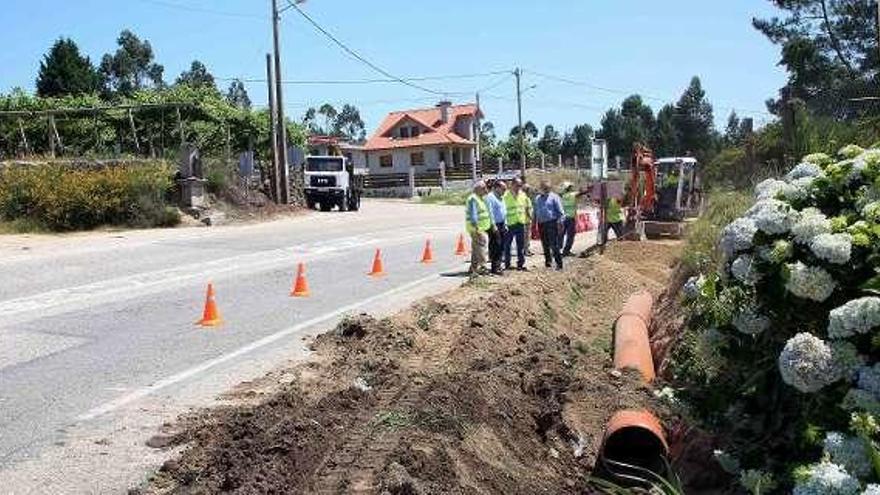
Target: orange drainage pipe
(634, 437)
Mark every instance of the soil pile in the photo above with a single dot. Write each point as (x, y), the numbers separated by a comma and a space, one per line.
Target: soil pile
(501, 386)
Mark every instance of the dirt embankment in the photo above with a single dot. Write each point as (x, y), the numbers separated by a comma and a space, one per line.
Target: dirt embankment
(501, 386)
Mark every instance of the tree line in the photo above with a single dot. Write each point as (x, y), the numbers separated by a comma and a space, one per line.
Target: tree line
(139, 110)
(686, 127)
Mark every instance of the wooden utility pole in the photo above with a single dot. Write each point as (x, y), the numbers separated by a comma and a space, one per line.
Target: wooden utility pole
(284, 197)
(522, 134)
(273, 124)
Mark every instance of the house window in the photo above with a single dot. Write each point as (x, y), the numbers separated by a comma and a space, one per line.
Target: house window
(386, 161)
(415, 131)
(417, 159)
(404, 132)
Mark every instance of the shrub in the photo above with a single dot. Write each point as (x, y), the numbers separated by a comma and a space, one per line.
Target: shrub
(64, 197)
(787, 330)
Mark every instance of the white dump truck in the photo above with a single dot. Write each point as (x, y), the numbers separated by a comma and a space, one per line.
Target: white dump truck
(331, 181)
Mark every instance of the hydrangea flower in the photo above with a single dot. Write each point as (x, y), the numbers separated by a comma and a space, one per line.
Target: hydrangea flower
(860, 400)
(802, 170)
(826, 478)
(809, 282)
(771, 216)
(849, 452)
(780, 251)
(807, 363)
(871, 211)
(798, 189)
(857, 316)
(872, 489)
(743, 269)
(820, 159)
(693, 287)
(738, 236)
(751, 322)
(869, 379)
(850, 151)
(770, 189)
(810, 223)
(833, 248)
(861, 233)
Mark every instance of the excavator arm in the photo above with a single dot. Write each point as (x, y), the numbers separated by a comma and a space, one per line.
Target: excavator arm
(643, 163)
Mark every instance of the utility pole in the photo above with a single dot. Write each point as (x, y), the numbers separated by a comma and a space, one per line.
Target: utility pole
(273, 132)
(522, 135)
(284, 197)
(478, 132)
(877, 3)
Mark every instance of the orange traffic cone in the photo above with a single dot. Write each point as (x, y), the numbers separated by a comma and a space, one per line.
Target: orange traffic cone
(460, 249)
(211, 317)
(428, 254)
(301, 285)
(378, 269)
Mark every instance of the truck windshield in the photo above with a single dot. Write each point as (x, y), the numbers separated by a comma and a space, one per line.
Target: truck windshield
(324, 164)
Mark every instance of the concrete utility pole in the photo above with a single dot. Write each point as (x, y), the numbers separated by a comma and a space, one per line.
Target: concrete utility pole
(522, 134)
(284, 197)
(273, 131)
(478, 132)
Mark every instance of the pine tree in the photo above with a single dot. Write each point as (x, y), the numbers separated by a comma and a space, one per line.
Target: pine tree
(237, 95)
(694, 121)
(64, 71)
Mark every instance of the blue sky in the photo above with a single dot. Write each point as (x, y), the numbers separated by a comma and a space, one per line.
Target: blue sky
(621, 46)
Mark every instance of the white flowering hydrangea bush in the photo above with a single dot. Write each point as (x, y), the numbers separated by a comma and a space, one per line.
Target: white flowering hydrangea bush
(795, 312)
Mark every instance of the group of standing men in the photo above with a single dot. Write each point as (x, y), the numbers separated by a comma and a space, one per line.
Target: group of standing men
(503, 218)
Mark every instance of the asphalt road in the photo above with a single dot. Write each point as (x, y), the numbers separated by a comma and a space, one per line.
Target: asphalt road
(98, 346)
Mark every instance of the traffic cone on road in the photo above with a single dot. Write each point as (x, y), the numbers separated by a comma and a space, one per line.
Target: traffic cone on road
(428, 254)
(378, 269)
(460, 248)
(211, 316)
(301, 285)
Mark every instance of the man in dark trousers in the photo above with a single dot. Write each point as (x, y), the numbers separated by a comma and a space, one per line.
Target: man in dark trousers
(549, 215)
(498, 213)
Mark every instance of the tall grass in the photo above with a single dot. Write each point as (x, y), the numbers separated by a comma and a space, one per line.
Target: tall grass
(701, 248)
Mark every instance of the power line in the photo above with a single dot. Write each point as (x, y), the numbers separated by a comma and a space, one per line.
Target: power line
(499, 82)
(628, 93)
(305, 82)
(201, 10)
(358, 56)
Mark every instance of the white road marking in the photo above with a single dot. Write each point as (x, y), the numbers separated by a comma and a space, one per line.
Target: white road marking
(114, 404)
(68, 299)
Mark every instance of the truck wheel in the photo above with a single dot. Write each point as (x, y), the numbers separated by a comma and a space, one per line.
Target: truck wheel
(310, 204)
(344, 203)
(355, 203)
(326, 206)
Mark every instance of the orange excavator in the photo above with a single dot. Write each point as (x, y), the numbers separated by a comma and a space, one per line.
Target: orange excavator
(663, 193)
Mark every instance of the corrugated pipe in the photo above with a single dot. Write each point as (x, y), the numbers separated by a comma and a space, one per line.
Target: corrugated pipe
(634, 439)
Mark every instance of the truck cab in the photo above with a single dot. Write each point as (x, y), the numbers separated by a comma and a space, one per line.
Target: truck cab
(331, 181)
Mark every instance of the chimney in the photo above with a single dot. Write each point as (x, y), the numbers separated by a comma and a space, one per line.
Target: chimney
(444, 107)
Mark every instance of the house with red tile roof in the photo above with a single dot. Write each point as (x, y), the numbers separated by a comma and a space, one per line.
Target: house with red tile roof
(423, 138)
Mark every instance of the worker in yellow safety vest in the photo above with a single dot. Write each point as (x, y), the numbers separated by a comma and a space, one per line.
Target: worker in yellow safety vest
(568, 232)
(478, 224)
(519, 220)
(613, 217)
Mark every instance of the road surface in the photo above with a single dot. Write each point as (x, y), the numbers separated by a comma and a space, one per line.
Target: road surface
(98, 347)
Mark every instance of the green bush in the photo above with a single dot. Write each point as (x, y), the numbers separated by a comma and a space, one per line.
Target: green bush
(63, 198)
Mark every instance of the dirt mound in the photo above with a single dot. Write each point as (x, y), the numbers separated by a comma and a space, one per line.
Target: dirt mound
(501, 386)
